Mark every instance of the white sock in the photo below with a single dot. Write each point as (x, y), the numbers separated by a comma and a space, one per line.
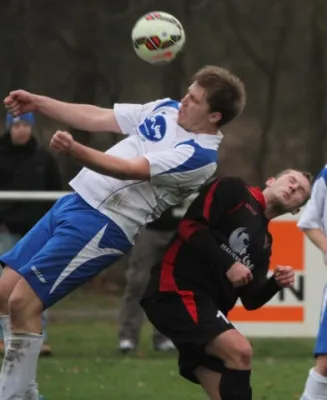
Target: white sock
(6, 327)
(19, 366)
(315, 387)
(32, 392)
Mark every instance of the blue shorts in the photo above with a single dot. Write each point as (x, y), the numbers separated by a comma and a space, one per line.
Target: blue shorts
(71, 244)
(321, 342)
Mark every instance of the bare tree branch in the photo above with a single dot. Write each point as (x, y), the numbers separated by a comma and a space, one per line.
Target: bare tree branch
(248, 49)
(317, 87)
(271, 69)
(270, 109)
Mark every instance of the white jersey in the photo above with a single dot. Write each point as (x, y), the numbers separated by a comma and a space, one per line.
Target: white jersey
(180, 162)
(314, 215)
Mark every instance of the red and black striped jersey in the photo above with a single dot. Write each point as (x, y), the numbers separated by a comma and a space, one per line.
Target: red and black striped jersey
(224, 224)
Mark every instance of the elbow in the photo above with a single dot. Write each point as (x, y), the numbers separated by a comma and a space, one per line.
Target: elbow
(250, 305)
(133, 171)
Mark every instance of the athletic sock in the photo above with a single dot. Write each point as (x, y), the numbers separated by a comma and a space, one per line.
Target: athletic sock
(19, 366)
(32, 392)
(315, 387)
(235, 385)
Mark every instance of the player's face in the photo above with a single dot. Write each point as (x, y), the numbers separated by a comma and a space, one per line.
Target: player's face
(194, 114)
(289, 191)
(20, 133)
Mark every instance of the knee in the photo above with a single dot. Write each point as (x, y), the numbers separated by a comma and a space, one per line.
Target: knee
(321, 365)
(8, 281)
(233, 348)
(22, 303)
(240, 356)
(16, 303)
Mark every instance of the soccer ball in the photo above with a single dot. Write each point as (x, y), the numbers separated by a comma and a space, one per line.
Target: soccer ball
(158, 37)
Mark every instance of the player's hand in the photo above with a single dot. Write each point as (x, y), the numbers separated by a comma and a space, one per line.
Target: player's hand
(284, 276)
(239, 274)
(62, 142)
(20, 102)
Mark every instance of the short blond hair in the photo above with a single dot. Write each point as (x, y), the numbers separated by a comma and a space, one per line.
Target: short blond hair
(225, 92)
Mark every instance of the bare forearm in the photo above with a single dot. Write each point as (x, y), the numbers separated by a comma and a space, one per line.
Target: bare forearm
(318, 238)
(79, 116)
(107, 164)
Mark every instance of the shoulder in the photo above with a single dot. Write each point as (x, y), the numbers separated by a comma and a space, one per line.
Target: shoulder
(167, 103)
(226, 186)
(322, 176)
(201, 156)
(232, 182)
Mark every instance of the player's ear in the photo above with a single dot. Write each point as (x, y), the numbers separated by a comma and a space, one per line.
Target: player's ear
(296, 211)
(215, 117)
(269, 181)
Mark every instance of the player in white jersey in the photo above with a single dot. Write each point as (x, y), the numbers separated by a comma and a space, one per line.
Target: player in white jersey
(313, 222)
(170, 152)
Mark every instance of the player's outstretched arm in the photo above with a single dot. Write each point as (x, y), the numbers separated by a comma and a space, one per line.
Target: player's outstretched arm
(318, 238)
(80, 116)
(106, 164)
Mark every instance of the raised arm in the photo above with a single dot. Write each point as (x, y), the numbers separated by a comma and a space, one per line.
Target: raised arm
(181, 168)
(124, 118)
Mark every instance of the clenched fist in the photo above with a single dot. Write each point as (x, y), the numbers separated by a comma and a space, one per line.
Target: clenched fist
(20, 102)
(62, 142)
(284, 276)
(239, 274)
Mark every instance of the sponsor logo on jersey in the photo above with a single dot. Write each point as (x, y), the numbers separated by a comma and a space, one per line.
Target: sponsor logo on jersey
(239, 242)
(153, 128)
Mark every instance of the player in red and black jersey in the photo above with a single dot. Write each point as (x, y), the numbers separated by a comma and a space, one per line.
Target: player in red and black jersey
(221, 253)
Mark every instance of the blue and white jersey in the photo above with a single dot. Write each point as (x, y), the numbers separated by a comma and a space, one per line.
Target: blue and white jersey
(314, 215)
(180, 162)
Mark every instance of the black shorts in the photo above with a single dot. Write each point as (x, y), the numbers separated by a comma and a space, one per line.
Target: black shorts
(191, 321)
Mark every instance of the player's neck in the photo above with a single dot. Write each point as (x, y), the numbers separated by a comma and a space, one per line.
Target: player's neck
(271, 211)
(207, 129)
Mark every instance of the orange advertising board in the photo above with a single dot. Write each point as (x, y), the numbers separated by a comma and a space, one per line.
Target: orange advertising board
(288, 249)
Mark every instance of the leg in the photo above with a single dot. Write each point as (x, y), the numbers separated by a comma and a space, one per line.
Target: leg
(88, 243)
(7, 242)
(46, 349)
(9, 279)
(236, 352)
(148, 251)
(209, 380)
(131, 315)
(316, 384)
(233, 348)
(191, 322)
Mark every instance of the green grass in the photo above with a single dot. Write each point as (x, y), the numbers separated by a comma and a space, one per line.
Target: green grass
(87, 366)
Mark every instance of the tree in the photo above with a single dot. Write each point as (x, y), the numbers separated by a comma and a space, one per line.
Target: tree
(269, 67)
(317, 87)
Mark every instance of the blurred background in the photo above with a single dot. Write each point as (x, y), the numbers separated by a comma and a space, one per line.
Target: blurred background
(80, 51)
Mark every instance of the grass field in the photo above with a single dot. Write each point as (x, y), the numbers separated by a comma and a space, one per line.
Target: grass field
(86, 365)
